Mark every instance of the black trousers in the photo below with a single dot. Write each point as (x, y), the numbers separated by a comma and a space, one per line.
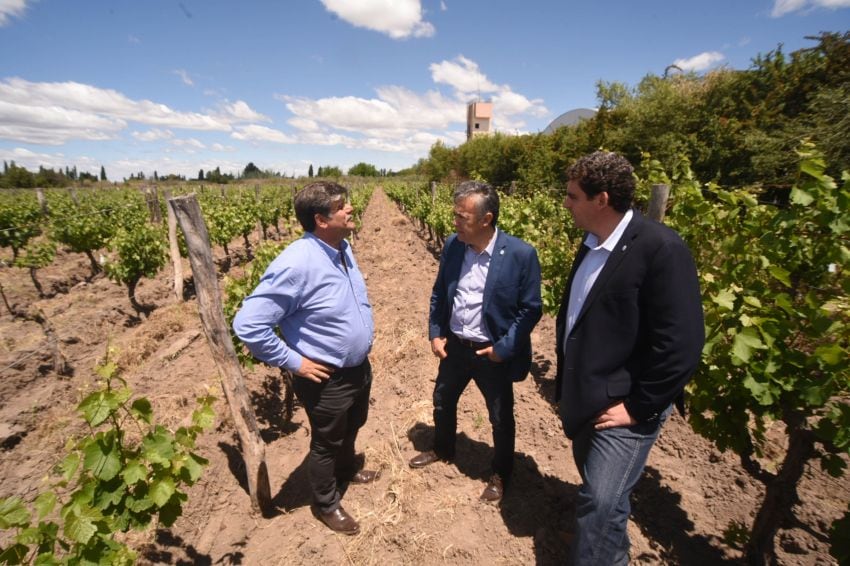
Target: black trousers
(336, 408)
(460, 366)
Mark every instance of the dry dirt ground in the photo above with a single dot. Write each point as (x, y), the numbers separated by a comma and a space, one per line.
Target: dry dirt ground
(688, 495)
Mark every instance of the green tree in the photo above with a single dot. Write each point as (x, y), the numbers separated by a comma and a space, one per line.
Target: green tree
(251, 171)
(310, 171)
(330, 171)
(201, 175)
(102, 173)
(364, 170)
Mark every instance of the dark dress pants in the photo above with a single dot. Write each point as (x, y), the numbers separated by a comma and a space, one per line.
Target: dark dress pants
(336, 408)
(460, 366)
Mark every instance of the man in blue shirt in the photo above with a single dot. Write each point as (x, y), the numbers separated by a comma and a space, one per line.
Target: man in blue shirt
(314, 293)
(484, 305)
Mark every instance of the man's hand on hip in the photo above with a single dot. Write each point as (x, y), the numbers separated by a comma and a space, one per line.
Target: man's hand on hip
(438, 347)
(613, 416)
(314, 371)
(490, 353)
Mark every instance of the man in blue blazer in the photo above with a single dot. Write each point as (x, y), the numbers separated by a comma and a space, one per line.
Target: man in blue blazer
(629, 337)
(484, 305)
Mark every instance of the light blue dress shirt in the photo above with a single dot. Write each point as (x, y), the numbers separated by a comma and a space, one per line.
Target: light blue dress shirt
(321, 309)
(467, 319)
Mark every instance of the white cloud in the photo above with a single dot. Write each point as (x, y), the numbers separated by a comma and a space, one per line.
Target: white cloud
(53, 113)
(241, 112)
(443, 6)
(188, 143)
(222, 148)
(699, 62)
(54, 125)
(462, 74)
(184, 76)
(396, 18)
(510, 103)
(304, 124)
(11, 9)
(32, 160)
(397, 119)
(133, 39)
(782, 7)
(256, 133)
(153, 135)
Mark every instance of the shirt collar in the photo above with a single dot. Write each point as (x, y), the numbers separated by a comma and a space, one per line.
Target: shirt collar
(491, 245)
(332, 252)
(592, 241)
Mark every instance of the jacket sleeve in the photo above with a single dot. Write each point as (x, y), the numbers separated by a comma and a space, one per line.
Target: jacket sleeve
(529, 309)
(437, 320)
(673, 332)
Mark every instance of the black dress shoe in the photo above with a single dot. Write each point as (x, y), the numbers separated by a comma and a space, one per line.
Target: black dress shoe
(494, 491)
(341, 522)
(424, 458)
(365, 476)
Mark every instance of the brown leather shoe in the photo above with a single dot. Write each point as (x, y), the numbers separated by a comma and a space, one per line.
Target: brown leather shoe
(365, 476)
(424, 459)
(341, 522)
(494, 491)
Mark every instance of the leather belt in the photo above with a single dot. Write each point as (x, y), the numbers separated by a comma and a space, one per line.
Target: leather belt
(471, 344)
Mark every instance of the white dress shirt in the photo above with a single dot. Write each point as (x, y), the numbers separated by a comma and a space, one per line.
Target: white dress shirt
(590, 268)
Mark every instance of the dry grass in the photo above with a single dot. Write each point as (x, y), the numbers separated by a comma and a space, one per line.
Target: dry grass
(163, 323)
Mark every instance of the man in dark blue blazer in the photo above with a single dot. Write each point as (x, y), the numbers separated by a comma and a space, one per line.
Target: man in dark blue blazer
(484, 305)
(629, 337)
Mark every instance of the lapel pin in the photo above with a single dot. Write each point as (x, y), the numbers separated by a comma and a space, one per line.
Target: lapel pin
(501, 252)
(624, 248)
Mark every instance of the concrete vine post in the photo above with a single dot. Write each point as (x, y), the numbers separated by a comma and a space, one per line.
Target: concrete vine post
(188, 213)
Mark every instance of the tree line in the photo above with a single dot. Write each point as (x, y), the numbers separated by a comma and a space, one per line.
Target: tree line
(735, 127)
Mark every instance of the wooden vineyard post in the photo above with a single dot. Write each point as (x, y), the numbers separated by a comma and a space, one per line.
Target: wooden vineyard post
(258, 200)
(152, 200)
(191, 221)
(42, 201)
(658, 202)
(174, 249)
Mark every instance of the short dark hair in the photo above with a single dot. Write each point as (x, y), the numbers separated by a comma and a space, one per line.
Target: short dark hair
(605, 172)
(317, 198)
(488, 201)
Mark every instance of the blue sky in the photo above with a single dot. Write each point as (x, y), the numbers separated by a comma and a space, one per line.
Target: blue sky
(179, 86)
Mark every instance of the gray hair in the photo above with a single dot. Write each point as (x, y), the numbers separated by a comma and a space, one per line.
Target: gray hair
(487, 201)
(317, 198)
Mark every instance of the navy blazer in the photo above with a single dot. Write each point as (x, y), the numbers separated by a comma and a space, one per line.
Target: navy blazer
(639, 335)
(512, 303)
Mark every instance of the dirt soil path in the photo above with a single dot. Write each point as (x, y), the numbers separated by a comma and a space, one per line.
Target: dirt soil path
(688, 495)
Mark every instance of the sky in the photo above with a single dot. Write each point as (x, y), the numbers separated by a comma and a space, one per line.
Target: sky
(183, 86)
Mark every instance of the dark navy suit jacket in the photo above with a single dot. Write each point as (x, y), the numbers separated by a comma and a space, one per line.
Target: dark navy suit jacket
(639, 335)
(512, 303)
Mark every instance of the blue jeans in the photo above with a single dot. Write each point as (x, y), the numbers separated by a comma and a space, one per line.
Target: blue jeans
(610, 462)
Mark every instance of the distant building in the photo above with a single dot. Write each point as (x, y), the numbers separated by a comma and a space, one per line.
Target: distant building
(478, 117)
(569, 118)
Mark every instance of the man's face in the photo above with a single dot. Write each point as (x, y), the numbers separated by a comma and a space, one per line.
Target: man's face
(582, 207)
(340, 217)
(469, 227)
